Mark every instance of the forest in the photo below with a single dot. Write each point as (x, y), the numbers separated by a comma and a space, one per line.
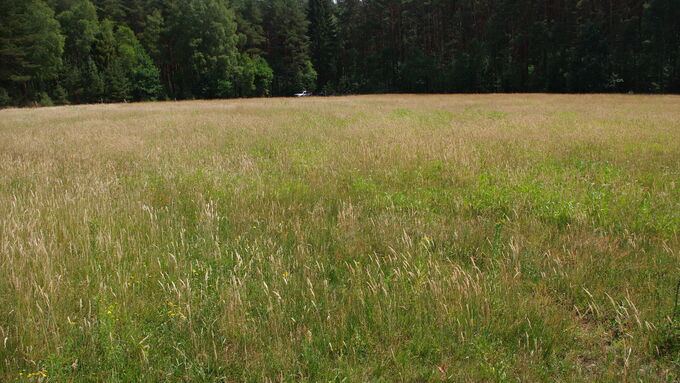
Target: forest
(91, 51)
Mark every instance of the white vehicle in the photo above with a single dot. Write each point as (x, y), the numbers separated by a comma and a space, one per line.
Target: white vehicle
(303, 94)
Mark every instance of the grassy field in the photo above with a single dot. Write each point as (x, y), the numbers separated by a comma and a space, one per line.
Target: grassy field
(370, 238)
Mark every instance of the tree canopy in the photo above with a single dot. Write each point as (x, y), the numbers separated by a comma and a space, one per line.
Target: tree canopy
(133, 50)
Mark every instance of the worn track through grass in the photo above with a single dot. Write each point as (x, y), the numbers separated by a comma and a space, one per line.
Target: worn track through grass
(370, 238)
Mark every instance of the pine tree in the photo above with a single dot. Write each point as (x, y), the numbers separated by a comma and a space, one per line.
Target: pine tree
(146, 79)
(323, 36)
(92, 85)
(136, 66)
(288, 50)
(113, 10)
(249, 20)
(30, 46)
(240, 48)
(154, 27)
(104, 48)
(117, 85)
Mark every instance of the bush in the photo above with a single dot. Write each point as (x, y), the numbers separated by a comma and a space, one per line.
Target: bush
(306, 77)
(59, 95)
(5, 100)
(252, 77)
(44, 99)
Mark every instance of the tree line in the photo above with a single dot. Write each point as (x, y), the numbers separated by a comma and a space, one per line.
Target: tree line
(83, 51)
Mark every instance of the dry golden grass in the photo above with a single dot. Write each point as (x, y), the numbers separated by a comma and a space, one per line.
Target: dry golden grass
(368, 238)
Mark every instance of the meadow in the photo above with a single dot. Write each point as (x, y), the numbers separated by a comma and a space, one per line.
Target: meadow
(401, 238)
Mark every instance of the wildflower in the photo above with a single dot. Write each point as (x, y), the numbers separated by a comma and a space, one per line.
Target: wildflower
(172, 313)
(41, 373)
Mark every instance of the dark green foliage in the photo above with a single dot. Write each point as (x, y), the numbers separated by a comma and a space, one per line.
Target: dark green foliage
(117, 67)
(323, 39)
(253, 77)
(247, 48)
(201, 49)
(92, 84)
(59, 94)
(503, 45)
(44, 99)
(288, 53)
(249, 19)
(80, 26)
(87, 44)
(151, 35)
(419, 72)
(111, 9)
(146, 79)
(31, 47)
(4, 98)
(83, 83)
(136, 66)
(105, 49)
(118, 86)
(305, 77)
